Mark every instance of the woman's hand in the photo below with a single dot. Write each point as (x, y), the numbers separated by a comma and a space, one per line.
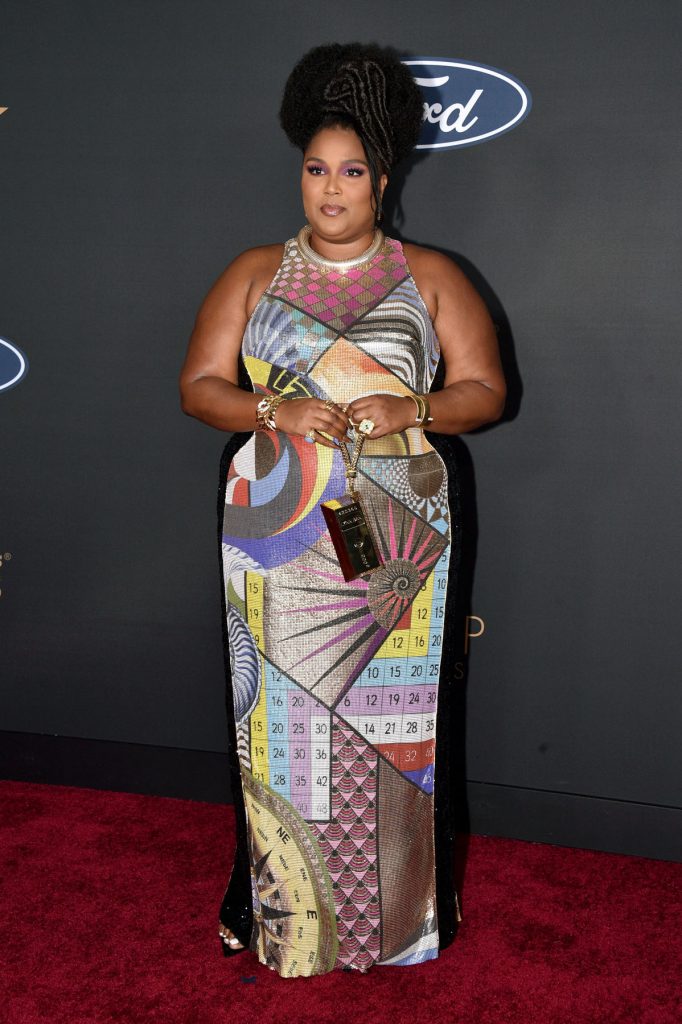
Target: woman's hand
(299, 415)
(390, 414)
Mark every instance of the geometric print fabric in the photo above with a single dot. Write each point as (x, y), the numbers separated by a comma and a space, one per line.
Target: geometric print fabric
(337, 682)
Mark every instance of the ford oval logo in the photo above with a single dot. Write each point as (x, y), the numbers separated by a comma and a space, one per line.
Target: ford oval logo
(13, 364)
(466, 103)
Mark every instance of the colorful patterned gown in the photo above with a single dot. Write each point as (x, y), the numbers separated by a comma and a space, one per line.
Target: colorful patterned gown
(333, 686)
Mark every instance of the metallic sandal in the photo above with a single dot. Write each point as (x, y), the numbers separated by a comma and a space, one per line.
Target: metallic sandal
(229, 941)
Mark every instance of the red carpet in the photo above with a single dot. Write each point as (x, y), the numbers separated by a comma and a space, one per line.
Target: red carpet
(110, 914)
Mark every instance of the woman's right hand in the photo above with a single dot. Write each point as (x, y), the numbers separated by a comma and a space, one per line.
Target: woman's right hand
(299, 415)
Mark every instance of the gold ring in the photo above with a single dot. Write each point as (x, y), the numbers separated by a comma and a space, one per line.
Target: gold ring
(310, 435)
(366, 426)
(329, 404)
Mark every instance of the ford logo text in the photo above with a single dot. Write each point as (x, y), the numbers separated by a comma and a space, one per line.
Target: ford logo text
(466, 103)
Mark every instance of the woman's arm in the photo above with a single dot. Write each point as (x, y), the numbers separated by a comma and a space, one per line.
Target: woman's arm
(208, 379)
(208, 383)
(474, 389)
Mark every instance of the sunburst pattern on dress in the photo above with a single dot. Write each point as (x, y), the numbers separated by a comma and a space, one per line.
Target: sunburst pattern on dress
(391, 589)
(323, 631)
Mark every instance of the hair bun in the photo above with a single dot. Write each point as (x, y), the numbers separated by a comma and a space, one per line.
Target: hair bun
(359, 90)
(364, 84)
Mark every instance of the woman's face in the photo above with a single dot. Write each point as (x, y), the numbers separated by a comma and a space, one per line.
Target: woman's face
(336, 186)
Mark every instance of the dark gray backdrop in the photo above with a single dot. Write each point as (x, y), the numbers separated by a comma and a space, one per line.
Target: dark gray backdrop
(141, 153)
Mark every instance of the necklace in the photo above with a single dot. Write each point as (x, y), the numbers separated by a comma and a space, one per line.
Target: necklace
(340, 265)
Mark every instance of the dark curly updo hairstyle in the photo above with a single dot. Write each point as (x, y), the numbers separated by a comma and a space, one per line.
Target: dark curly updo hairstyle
(361, 86)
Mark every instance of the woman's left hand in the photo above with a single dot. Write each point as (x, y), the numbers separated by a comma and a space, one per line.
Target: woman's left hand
(389, 413)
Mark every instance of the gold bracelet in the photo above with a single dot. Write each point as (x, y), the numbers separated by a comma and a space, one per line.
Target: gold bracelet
(261, 410)
(265, 412)
(416, 402)
(271, 411)
(423, 410)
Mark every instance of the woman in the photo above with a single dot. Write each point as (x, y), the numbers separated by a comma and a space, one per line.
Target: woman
(336, 523)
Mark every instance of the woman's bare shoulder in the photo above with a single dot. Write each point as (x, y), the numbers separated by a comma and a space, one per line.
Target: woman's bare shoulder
(429, 269)
(245, 278)
(264, 261)
(258, 260)
(430, 260)
(436, 275)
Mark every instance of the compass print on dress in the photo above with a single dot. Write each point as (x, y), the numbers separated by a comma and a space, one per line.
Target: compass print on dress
(294, 909)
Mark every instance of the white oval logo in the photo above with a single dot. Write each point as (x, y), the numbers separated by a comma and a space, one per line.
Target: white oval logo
(466, 103)
(13, 365)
